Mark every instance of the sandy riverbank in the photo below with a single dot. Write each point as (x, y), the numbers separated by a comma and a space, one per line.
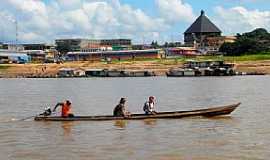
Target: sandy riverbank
(158, 66)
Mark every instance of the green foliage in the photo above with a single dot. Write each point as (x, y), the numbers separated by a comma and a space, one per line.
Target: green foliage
(155, 44)
(253, 42)
(3, 67)
(243, 57)
(166, 44)
(249, 57)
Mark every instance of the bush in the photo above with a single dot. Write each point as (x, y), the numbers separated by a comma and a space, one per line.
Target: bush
(253, 42)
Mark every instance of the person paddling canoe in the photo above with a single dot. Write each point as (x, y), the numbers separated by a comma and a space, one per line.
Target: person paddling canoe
(149, 106)
(66, 109)
(121, 109)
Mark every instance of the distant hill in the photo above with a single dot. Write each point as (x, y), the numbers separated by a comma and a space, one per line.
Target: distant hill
(255, 42)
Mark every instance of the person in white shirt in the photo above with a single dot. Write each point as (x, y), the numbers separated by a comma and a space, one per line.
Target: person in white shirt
(149, 106)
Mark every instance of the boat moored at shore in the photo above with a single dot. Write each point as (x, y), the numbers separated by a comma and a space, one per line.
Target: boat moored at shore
(203, 68)
(117, 73)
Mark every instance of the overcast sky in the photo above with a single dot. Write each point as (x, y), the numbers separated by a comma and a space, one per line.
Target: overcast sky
(140, 20)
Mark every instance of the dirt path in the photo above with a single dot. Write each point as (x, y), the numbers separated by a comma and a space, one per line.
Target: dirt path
(257, 66)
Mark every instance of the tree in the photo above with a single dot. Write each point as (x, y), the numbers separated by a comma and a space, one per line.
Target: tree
(248, 43)
(166, 44)
(155, 44)
(171, 44)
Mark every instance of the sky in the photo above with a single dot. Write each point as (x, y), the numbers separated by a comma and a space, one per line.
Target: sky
(43, 21)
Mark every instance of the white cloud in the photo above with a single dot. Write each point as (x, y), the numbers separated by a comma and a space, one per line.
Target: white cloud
(7, 16)
(29, 36)
(69, 4)
(239, 19)
(175, 10)
(40, 21)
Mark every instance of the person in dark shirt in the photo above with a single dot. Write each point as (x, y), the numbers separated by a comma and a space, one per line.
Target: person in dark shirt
(121, 110)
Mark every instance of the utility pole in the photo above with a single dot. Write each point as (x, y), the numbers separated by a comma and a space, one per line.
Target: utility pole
(2, 30)
(2, 34)
(143, 41)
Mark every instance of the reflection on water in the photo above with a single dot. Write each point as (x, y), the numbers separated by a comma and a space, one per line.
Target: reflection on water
(243, 135)
(121, 124)
(150, 122)
(67, 127)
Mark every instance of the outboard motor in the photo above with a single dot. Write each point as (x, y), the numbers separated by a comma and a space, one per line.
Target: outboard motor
(47, 112)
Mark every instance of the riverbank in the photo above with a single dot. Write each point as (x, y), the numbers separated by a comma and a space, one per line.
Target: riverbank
(159, 66)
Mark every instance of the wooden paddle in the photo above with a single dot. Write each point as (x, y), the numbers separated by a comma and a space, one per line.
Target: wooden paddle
(47, 112)
(26, 118)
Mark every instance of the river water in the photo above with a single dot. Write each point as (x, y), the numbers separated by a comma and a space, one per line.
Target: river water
(243, 135)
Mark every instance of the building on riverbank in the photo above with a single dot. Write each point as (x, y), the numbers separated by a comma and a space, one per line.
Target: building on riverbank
(32, 55)
(212, 44)
(38, 52)
(205, 36)
(114, 55)
(13, 57)
(28, 46)
(38, 46)
(200, 30)
(73, 45)
(36, 55)
(92, 45)
(181, 52)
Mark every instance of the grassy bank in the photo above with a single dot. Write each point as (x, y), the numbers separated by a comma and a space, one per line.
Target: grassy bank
(2, 67)
(255, 57)
(172, 61)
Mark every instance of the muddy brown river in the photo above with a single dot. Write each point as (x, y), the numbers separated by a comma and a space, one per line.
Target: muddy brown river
(245, 134)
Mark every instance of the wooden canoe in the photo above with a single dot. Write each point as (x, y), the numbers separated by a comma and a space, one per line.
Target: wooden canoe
(210, 112)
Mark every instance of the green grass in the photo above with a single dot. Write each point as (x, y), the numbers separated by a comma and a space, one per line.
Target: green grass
(257, 57)
(254, 57)
(171, 61)
(249, 57)
(4, 67)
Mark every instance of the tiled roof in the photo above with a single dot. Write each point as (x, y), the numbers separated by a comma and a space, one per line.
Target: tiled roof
(203, 25)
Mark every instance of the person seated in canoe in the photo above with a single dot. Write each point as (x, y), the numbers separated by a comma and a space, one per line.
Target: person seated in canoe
(149, 106)
(121, 109)
(66, 109)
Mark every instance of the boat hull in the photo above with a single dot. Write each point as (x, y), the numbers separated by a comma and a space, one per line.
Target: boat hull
(210, 112)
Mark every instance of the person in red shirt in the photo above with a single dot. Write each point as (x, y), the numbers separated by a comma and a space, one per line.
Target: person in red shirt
(66, 109)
